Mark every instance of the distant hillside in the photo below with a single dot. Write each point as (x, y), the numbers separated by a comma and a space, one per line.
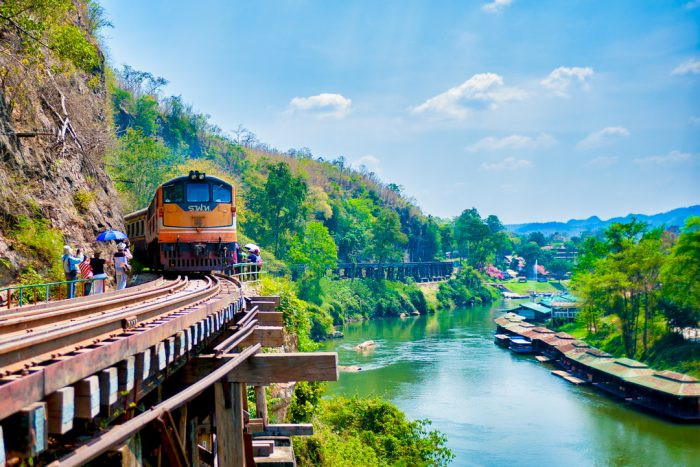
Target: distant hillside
(675, 217)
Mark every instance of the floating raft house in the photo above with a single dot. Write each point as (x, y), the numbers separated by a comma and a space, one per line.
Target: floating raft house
(668, 393)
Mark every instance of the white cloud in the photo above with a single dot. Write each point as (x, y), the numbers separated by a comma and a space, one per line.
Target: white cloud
(324, 105)
(563, 78)
(689, 67)
(482, 88)
(512, 142)
(602, 162)
(509, 163)
(602, 137)
(496, 6)
(672, 157)
(692, 4)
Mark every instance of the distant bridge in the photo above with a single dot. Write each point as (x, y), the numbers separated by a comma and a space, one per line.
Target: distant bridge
(419, 272)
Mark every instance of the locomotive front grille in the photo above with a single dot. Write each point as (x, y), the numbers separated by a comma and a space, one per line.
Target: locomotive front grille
(195, 263)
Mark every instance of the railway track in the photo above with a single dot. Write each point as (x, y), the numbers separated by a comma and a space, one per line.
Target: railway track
(45, 348)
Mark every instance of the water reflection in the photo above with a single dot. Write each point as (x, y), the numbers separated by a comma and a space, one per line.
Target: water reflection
(498, 408)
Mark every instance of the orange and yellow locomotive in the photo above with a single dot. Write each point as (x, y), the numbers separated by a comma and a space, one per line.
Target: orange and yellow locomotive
(190, 225)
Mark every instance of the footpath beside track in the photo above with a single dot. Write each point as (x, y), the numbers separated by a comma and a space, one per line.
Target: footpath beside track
(78, 373)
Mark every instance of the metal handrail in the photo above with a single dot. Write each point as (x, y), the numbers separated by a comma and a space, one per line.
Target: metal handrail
(245, 272)
(7, 293)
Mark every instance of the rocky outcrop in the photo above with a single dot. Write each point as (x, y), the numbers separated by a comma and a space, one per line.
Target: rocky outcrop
(55, 127)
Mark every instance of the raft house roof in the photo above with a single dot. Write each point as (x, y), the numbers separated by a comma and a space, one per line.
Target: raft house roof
(631, 371)
(536, 307)
(561, 301)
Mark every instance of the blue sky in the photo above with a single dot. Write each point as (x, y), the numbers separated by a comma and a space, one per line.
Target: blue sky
(530, 110)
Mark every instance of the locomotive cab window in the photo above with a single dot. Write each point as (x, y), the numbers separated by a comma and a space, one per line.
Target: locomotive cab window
(172, 194)
(197, 192)
(221, 193)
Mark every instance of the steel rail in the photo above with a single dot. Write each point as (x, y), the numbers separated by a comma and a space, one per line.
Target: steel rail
(119, 433)
(28, 310)
(94, 328)
(80, 310)
(233, 341)
(33, 384)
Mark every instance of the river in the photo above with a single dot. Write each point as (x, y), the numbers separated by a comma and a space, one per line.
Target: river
(498, 408)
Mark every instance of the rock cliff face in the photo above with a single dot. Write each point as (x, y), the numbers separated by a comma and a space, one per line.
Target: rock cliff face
(55, 127)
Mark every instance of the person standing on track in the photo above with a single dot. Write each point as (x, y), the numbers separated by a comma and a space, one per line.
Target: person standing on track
(121, 266)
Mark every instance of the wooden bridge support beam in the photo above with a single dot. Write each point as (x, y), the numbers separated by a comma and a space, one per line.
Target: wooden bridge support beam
(228, 401)
(261, 404)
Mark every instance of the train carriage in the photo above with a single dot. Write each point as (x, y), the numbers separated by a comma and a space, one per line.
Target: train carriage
(190, 225)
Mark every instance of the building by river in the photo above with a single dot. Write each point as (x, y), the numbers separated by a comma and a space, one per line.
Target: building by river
(668, 393)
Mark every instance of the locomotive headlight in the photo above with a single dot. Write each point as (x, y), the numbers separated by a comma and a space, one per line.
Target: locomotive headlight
(193, 175)
(201, 176)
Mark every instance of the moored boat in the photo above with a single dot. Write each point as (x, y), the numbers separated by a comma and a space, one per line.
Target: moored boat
(502, 340)
(520, 344)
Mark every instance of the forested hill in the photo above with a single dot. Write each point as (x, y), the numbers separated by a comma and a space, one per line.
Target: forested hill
(282, 195)
(675, 217)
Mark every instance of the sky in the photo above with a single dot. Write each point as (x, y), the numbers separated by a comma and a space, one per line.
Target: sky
(533, 110)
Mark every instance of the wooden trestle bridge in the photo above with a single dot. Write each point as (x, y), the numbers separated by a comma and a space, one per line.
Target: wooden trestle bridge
(419, 272)
(157, 374)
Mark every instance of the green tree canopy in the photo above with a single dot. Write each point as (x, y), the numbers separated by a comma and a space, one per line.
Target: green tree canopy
(278, 206)
(680, 278)
(139, 165)
(314, 248)
(387, 238)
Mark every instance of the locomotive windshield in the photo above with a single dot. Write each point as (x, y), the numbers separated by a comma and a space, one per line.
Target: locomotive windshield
(173, 193)
(197, 192)
(221, 193)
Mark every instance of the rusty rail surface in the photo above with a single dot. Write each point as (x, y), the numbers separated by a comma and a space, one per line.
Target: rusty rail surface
(64, 335)
(23, 320)
(33, 365)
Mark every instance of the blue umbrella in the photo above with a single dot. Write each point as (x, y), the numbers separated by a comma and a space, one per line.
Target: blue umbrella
(109, 235)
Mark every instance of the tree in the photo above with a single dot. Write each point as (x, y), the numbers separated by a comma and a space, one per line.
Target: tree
(351, 225)
(680, 278)
(388, 240)
(494, 223)
(447, 237)
(470, 233)
(625, 280)
(279, 204)
(530, 252)
(315, 249)
(433, 241)
(140, 165)
(537, 237)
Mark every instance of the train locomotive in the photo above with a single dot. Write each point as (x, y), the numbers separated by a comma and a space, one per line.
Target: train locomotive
(189, 226)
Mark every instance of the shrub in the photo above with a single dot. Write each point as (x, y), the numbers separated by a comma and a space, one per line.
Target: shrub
(305, 399)
(369, 432)
(296, 315)
(466, 288)
(82, 200)
(34, 237)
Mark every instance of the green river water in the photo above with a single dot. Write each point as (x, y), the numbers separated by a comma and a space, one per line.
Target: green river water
(498, 408)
